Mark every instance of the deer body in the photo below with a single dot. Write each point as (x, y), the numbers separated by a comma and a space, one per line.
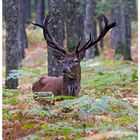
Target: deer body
(69, 83)
(49, 84)
(58, 85)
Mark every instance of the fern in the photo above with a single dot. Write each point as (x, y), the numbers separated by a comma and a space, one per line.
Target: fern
(103, 105)
(36, 111)
(61, 128)
(14, 74)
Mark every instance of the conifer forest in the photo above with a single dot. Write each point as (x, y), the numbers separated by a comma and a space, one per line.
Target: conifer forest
(70, 70)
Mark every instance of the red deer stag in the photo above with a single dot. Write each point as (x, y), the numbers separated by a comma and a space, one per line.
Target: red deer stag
(69, 83)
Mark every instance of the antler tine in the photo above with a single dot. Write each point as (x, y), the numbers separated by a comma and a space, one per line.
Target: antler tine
(48, 37)
(105, 19)
(106, 28)
(76, 51)
(37, 25)
(86, 44)
(52, 40)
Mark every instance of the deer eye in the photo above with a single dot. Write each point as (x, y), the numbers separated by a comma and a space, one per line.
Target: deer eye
(75, 60)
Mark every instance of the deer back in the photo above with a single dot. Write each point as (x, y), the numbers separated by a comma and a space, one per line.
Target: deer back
(49, 84)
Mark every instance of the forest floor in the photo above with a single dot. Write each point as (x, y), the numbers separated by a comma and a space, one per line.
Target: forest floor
(107, 107)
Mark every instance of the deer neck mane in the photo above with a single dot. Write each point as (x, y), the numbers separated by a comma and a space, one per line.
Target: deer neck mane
(71, 85)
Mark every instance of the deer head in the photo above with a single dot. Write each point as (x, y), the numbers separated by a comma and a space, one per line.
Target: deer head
(71, 62)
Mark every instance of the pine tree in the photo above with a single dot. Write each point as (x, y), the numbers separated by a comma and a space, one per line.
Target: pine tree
(57, 30)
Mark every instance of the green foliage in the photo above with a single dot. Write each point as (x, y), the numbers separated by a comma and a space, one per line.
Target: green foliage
(14, 74)
(101, 107)
(10, 92)
(79, 11)
(108, 74)
(32, 137)
(48, 97)
(56, 98)
(60, 128)
(12, 96)
(134, 75)
(103, 6)
(106, 6)
(36, 111)
(129, 137)
(44, 94)
(5, 114)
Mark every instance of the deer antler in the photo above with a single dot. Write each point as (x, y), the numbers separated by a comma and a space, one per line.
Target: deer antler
(103, 32)
(87, 43)
(48, 37)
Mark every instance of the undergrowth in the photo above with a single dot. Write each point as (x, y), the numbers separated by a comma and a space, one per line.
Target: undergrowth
(107, 105)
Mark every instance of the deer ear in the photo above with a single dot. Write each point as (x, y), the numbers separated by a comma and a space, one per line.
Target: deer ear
(81, 55)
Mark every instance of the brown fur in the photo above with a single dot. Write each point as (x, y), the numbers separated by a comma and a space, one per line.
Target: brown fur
(49, 84)
(63, 85)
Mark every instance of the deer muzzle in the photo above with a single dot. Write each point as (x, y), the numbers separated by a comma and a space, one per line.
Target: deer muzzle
(66, 70)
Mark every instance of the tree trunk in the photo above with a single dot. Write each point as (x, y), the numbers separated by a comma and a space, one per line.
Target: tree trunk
(100, 28)
(118, 33)
(57, 30)
(128, 13)
(90, 26)
(80, 14)
(134, 13)
(96, 51)
(72, 15)
(40, 11)
(127, 49)
(27, 10)
(12, 49)
(121, 35)
(23, 43)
